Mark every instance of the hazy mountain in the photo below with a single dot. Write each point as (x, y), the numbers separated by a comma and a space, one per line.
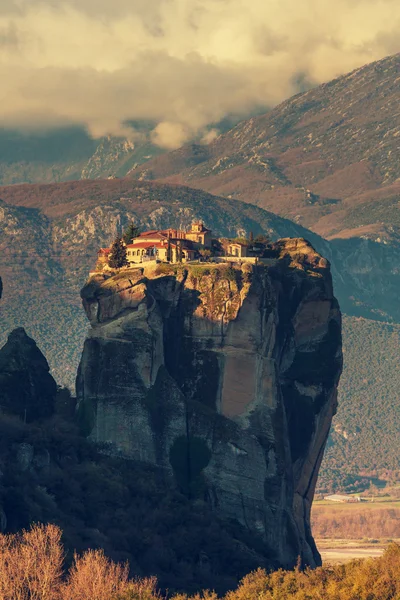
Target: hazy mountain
(327, 158)
(67, 154)
(70, 153)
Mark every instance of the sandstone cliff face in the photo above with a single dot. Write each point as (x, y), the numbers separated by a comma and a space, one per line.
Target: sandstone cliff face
(224, 377)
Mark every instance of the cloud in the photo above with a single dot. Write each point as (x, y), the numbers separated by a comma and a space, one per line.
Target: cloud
(169, 135)
(209, 136)
(8, 37)
(183, 64)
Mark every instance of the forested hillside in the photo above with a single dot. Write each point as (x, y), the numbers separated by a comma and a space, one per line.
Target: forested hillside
(363, 445)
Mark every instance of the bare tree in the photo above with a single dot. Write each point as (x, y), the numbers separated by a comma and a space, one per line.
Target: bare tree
(31, 564)
(95, 577)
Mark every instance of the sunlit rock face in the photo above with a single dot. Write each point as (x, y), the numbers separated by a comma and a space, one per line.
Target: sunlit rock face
(225, 377)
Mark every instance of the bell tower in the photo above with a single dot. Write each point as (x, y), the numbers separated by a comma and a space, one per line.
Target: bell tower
(197, 227)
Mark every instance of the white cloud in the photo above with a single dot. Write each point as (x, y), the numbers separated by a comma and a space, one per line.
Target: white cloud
(209, 136)
(169, 135)
(182, 63)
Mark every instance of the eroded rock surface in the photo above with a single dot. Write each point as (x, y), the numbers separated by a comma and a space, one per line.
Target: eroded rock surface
(26, 387)
(224, 377)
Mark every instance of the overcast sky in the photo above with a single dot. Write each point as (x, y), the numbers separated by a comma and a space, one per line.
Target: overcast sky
(183, 63)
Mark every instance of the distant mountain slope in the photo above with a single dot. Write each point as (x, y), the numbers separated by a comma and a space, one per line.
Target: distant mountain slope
(70, 153)
(327, 158)
(67, 154)
(84, 214)
(50, 234)
(365, 431)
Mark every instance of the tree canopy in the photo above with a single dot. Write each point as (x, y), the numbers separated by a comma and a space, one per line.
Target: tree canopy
(131, 232)
(261, 238)
(117, 257)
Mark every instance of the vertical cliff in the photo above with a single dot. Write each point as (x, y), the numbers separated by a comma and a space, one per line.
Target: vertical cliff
(226, 378)
(26, 387)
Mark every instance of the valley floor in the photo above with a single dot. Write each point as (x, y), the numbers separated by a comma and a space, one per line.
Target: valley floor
(350, 531)
(335, 551)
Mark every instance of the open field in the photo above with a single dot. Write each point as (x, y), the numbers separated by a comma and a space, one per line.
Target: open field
(361, 522)
(335, 551)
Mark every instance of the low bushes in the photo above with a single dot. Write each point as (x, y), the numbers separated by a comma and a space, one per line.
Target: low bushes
(31, 568)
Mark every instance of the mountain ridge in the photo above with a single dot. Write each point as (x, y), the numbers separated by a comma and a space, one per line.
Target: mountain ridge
(328, 151)
(324, 158)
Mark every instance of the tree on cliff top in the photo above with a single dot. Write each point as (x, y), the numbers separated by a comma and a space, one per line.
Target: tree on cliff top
(205, 254)
(117, 256)
(131, 232)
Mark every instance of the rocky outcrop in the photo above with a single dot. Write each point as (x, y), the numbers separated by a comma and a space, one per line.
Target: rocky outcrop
(226, 378)
(26, 387)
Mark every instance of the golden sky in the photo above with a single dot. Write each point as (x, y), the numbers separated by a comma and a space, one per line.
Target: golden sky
(182, 63)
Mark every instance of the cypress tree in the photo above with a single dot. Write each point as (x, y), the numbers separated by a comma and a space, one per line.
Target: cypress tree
(169, 251)
(117, 256)
(131, 232)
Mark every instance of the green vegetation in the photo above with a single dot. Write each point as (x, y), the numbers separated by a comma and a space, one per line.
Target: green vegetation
(170, 269)
(372, 211)
(59, 330)
(117, 258)
(205, 253)
(240, 240)
(196, 271)
(131, 232)
(363, 446)
(261, 239)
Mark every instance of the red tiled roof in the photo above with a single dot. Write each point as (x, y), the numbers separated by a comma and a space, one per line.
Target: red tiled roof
(153, 232)
(154, 235)
(144, 233)
(185, 246)
(105, 250)
(146, 245)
